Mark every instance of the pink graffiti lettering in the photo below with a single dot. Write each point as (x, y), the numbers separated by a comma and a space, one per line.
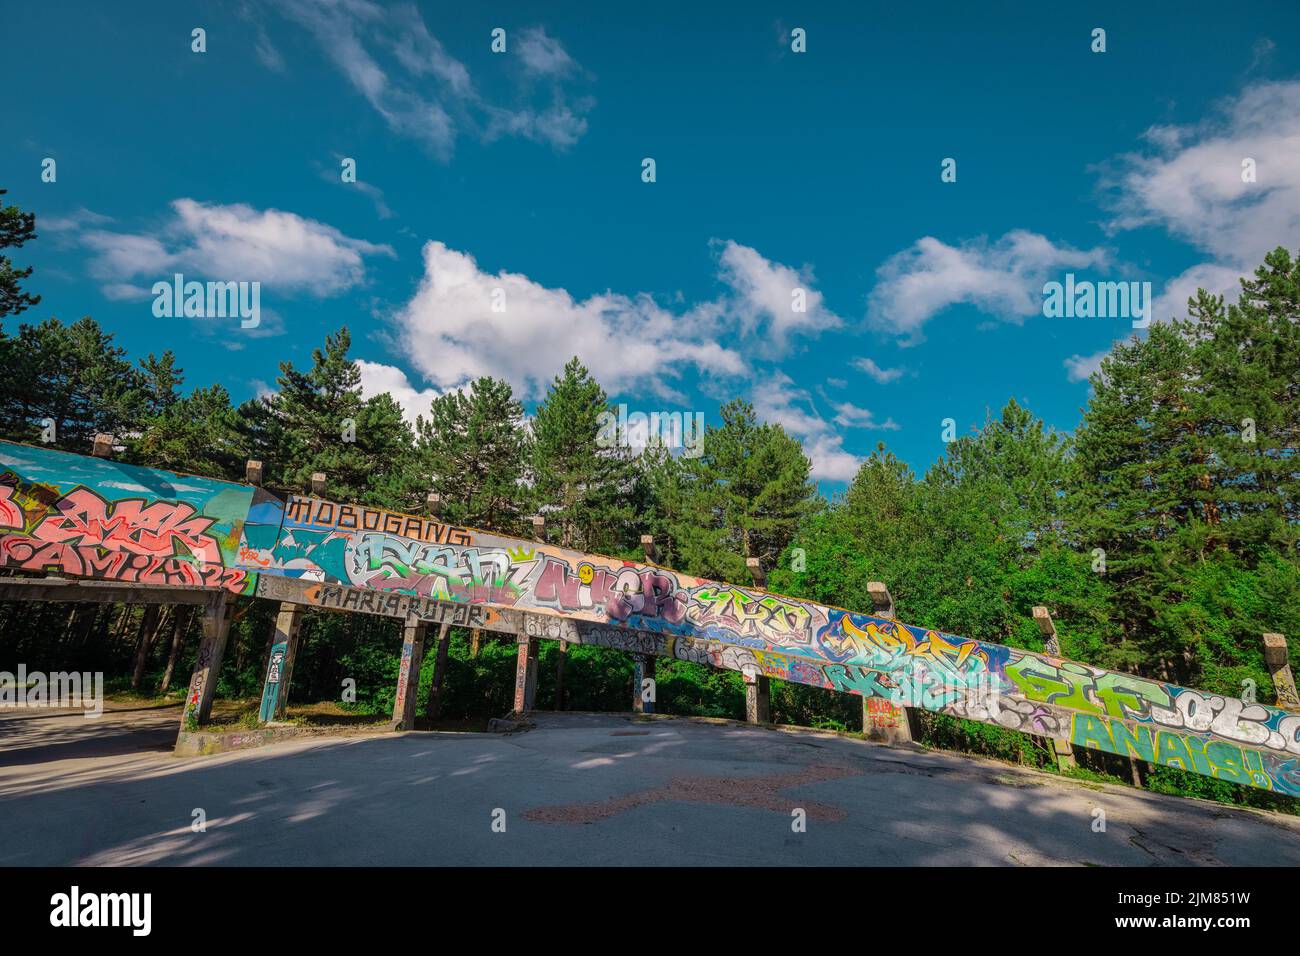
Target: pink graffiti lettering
(91, 562)
(85, 518)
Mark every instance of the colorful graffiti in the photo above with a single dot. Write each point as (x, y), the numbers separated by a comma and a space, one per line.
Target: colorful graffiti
(66, 515)
(87, 517)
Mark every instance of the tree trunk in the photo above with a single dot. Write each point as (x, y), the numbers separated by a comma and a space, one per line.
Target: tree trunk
(179, 631)
(148, 625)
(439, 673)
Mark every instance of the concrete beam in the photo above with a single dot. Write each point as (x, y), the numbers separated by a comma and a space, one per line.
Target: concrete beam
(756, 572)
(102, 446)
(99, 592)
(648, 547)
(253, 472)
(318, 483)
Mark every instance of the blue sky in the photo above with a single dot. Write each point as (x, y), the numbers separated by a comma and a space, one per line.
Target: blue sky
(522, 171)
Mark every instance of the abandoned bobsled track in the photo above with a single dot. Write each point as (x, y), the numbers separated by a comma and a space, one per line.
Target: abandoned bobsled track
(99, 530)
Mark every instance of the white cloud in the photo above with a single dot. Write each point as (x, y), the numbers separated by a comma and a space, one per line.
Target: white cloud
(851, 416)
(881, 375)
(429, 94)
(1004, 278)
(541, 54)
(1190, 184)
(377, 378)
(1080, 367)
(451, 333)
(765, 290)
(779, 401)
(287, 253)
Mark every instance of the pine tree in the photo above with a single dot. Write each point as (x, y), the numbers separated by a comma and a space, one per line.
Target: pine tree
(1248, 358)
(744, 497)
(72, 377)
(16, 228)
(581, 484)
(472, 450)
(319, 422)
(197, 433)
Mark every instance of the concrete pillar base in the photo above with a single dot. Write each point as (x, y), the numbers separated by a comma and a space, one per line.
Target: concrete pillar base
(885, 722)
(758, 699)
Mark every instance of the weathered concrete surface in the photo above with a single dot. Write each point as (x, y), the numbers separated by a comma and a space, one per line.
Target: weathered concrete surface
(579, 789)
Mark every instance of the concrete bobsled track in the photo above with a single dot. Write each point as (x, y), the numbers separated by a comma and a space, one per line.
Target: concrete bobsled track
(140, 534)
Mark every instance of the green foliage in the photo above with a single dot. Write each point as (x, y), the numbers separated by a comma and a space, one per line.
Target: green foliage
(318, 421)
(744, 497)
(16, 228)
(582, 480)
(72, 376)
(472, 450)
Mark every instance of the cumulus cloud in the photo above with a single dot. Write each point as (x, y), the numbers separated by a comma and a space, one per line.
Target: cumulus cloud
(1003, 278)
(423, 92)
(1189, 182)
(451, 332)
(766, 291)
(881, 375)
(287, 253)
(781, 402)
(377, 378)
(851, 416)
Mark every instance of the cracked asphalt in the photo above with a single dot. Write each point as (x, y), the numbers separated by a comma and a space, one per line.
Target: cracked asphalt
(578, 789)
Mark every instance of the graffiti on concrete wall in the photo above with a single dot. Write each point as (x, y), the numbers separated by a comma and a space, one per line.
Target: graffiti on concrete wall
(88, 517)
(80, 517)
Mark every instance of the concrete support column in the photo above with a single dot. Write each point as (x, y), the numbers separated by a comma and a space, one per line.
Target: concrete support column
(279, 662)
(1279, 666)
(207, 666)
(758, 699)
(644, 670)
(439, 671)
(559, 674)
(1052, 647)
(525, 674)
(882, 720)
(408, 675)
